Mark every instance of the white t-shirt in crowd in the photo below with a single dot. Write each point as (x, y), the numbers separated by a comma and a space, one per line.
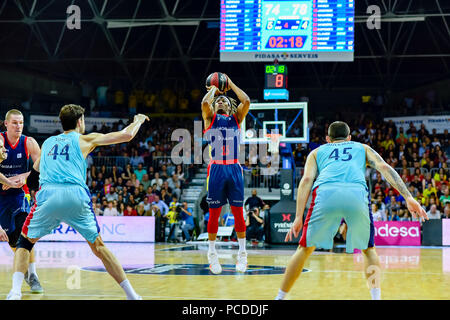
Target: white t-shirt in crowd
(110, 212)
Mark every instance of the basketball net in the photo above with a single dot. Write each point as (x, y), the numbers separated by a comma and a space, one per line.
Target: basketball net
(274, 142)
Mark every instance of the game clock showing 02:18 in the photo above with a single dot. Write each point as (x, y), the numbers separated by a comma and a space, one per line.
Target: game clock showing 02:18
(276, 76)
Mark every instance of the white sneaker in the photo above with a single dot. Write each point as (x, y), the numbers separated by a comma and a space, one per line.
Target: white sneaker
(214, 264)
(14, 296)
(241, 264)
(136, 298)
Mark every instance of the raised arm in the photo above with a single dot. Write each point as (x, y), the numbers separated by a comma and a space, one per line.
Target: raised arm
(244, 106)
(304, 189)
(207, 109)
(376, 161)
(90, 141)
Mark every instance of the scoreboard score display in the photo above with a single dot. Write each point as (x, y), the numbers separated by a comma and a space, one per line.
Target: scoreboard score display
(303, 30)
(275, 76)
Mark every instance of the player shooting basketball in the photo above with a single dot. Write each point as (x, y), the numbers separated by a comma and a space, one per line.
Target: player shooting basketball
(225, 178)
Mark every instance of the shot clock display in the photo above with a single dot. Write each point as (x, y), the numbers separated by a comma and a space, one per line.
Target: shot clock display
(276, 77)
(287, 30)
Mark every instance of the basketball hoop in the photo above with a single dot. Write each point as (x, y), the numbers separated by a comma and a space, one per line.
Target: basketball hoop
(274, 142)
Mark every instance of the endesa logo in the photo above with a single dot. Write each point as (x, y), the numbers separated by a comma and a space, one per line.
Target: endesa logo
(392, 231)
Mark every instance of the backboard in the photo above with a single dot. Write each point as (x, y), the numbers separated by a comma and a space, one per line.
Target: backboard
(289, 119)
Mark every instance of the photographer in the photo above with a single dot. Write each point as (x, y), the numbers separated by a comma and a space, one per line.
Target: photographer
(255, 225)
(188, 220)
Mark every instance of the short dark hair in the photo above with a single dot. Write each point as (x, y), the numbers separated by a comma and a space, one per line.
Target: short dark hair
(69, 115)
(338, 130)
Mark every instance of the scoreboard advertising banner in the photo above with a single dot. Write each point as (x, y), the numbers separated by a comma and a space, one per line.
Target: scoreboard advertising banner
(112, 229)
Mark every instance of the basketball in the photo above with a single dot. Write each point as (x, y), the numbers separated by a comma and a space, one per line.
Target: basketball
(219, 80)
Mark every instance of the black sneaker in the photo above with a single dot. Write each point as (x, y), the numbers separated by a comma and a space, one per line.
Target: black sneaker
(33, 282)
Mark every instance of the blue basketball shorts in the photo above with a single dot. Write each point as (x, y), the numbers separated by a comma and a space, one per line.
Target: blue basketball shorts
(10, 207)
(225, 182)
(332, 203)
(56, 203)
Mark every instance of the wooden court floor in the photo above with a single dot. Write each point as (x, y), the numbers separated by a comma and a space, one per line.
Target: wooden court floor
(68, 270)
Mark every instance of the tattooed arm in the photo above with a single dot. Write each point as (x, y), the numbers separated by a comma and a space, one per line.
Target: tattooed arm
(376, 161)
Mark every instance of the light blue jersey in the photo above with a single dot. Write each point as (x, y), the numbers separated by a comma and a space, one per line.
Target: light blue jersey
(343, 163)
(63, 195)
(62, 161)
(339, 192)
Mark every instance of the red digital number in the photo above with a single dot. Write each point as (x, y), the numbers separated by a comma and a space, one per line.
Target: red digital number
(279, 80)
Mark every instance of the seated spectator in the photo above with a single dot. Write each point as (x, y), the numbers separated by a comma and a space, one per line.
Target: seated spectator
(255, 225)
(112, 195)
(132, 202)
(145, 182)
(188, 221)
(126, 175)
(433, 213)
(392, 206)
(122, 208)
(163, 173)
(446, 214)
(174, 184)
(429, 191)
(147, 205)
(377, 214)
(140, 210)
(115, 174)
(180, 174)
(130, 211)
(110, 210)
(394, 216)
(97, 210)
(166, 197)
(140, 171)
(163, 207)
(157, 180)
(137, 195)
(445, 198)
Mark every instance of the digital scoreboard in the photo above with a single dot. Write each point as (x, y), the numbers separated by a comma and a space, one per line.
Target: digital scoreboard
(308, 30)
(275, 76)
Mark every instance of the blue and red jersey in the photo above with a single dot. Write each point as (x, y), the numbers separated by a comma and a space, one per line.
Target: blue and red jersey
(16, 162)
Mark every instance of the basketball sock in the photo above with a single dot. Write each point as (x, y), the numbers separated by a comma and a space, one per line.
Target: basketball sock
(242, 244)
(32, 269)
(212, 246)
(281, 295)
(375, 293)
(129, 291)
(17, 282)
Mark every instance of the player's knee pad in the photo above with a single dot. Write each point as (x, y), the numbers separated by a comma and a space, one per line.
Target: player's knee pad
(24, 243)
(213, 222)
(239, 222)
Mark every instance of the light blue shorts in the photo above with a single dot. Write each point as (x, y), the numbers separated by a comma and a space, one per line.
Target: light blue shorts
(58, 203)
(330, 204)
